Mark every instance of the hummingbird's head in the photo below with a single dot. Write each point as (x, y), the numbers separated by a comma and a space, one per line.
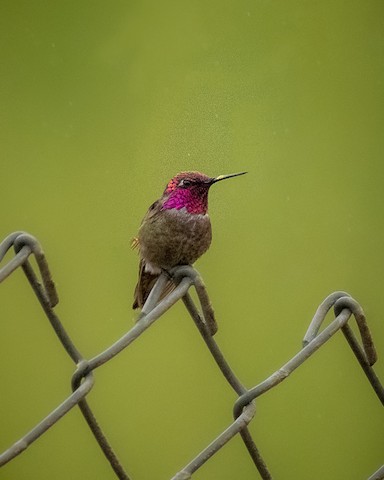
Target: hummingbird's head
(189, 190)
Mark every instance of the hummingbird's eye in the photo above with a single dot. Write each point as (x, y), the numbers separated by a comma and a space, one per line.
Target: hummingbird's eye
(185, 183)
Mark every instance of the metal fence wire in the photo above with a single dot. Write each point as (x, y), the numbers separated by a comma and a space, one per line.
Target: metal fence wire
(185, 277)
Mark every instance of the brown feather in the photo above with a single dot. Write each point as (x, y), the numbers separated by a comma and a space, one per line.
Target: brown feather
(145, 284)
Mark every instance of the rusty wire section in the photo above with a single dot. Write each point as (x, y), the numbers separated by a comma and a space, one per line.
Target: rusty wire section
(244, 409)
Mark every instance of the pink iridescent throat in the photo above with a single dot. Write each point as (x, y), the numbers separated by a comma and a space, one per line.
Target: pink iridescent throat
(195, 202)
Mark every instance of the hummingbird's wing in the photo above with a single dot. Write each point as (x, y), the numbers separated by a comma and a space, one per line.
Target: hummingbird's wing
(147, 279)
(145, 284)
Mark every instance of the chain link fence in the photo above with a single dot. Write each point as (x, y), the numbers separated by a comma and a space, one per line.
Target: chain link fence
(185, 277)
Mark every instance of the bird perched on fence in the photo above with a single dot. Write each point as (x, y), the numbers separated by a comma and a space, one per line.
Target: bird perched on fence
(176, 229)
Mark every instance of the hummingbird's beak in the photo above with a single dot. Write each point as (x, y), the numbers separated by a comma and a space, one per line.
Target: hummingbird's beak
(223, 177)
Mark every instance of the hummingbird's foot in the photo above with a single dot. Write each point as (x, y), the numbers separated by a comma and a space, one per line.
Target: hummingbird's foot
(167, 273)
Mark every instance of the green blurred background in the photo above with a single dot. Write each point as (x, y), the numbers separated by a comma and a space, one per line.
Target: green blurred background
(101, 103)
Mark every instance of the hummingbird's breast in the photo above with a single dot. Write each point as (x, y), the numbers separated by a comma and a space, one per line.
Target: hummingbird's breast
(174, 237)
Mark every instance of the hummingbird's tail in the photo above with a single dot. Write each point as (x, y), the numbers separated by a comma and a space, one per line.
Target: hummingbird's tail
(145, 284)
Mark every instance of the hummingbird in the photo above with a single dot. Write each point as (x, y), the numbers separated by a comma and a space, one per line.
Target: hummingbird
(176, 230)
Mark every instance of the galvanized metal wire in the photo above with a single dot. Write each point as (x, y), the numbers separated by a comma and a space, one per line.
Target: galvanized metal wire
(185, 277)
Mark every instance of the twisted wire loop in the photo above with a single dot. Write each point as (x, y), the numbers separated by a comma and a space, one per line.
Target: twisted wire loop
(26, 245)
(204, 319)
(344, 306)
